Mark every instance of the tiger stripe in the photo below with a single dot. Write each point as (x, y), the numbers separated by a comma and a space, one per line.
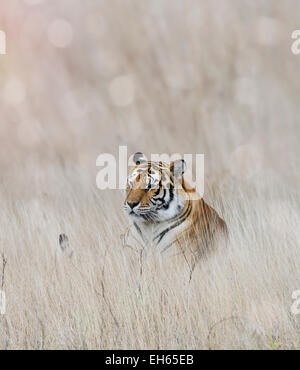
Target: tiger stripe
(165, 212)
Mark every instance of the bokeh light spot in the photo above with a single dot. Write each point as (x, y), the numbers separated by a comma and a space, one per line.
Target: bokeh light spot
(269, 31)
(33, 2)
(14, 91)
(60, 33)
(122, 91)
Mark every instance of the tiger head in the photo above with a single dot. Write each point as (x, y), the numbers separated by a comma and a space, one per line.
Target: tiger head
(154, 190)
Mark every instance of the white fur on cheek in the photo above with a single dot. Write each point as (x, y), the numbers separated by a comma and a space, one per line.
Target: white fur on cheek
(175, 207)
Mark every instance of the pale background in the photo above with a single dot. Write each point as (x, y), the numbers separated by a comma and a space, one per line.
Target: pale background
(81, 78)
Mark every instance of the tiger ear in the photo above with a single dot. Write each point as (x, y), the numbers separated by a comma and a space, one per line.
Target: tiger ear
(178, 168)
(138, 158)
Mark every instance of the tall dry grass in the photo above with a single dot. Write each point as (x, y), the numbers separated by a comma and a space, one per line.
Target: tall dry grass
(206, 77)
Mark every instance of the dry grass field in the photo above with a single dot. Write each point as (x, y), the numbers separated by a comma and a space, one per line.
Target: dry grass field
(81, 78)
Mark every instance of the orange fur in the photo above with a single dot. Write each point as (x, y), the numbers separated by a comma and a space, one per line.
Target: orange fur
(194, 230)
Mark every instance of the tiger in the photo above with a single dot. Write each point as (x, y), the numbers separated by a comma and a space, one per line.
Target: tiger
(167, 214)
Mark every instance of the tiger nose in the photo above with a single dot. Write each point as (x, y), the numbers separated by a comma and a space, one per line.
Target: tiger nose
(132, 204)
